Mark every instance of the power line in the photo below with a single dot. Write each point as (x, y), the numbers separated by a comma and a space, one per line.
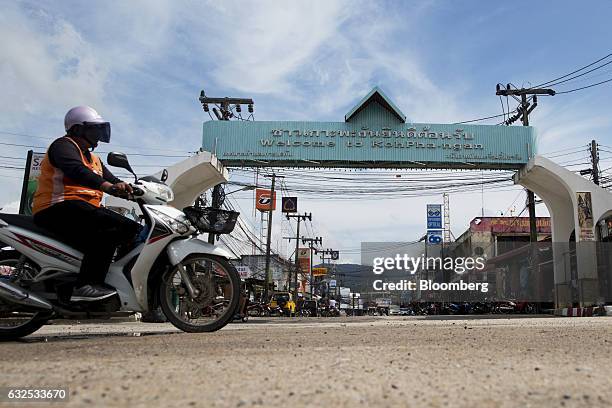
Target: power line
(573, 72)
(485, 118)
(585, 87)
(101, 152)
(53, 138)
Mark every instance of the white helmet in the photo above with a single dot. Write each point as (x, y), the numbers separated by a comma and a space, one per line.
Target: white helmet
(81, 114)
(94, 126)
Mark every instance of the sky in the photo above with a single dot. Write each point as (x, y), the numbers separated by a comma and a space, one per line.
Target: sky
(142, 65)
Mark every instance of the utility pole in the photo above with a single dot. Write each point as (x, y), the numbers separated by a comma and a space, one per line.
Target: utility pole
(273, 176)
(595, 161)
(225, 105)
(311, 244)
(218, 193)
(523, 112)
(306, 216)
(218, 197)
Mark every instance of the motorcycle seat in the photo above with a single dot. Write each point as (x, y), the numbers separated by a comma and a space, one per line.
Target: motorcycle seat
(27, 223)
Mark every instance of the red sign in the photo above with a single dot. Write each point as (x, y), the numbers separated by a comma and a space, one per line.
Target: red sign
(304, 260)
(264, 200)
(509, 225)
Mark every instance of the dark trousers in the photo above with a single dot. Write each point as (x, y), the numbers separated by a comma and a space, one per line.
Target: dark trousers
(97, 232)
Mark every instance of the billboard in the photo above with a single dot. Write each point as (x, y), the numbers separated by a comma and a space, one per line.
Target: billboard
(264, 201)
(434, 216)
(319, 271)
(585, 216)
(30, 181)
(345, 144)
(434, 224)
(304, 260)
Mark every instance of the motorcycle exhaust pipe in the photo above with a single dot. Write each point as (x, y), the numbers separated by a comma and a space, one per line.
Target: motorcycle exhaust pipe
(14, 294)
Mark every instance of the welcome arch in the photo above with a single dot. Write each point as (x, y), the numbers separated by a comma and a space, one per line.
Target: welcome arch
(376, 134)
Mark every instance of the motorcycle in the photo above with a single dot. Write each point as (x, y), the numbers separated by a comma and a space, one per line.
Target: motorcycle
(481, 308)
(193, 281)
(504, 307)
(255, 309)
(272, 311)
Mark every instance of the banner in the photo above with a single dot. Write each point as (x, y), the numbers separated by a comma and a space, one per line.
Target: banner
(585, 216)
(264, 200)
(30, 181)
(304, 260)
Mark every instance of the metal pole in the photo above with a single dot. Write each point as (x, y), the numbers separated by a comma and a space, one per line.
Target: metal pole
(297, 261)
(311, 278)
(533, 231)
(595, 161)
(216, 203)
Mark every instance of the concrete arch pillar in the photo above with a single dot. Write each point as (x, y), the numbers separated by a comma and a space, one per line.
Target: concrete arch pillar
(558, 188)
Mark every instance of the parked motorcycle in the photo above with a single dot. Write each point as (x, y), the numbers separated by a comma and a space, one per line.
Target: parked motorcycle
(192, 280)
(481, 308)
(504, 307)
(273, 311)
(255, 309)
(327, 311)
(526, 307)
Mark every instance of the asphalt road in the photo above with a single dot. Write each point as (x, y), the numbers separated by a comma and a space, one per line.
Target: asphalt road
(334, 362)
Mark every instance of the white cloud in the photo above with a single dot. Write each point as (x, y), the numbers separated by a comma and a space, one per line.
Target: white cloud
(257, 46)
(49, 68)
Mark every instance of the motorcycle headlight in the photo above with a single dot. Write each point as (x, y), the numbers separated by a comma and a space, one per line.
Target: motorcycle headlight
(179, 224)
(161, 191)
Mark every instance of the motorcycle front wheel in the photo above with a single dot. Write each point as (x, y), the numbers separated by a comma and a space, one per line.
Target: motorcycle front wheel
(217, 293)
(15, 322)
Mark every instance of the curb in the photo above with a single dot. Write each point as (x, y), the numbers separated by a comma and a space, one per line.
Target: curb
(584, 311)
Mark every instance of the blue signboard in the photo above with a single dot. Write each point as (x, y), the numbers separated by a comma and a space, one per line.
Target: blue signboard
(434, 216)
(434, 237)
(374, 134)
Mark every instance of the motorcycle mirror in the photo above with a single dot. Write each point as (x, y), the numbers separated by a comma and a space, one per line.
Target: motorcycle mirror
(118, 159)
(164, 176)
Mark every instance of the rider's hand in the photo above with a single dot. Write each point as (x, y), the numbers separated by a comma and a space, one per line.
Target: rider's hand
(123, 187)
(118, 189)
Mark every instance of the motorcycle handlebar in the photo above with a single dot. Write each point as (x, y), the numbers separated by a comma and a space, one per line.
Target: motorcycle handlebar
(136, 192)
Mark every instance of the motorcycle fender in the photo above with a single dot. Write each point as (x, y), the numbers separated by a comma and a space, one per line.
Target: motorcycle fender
(181, 249)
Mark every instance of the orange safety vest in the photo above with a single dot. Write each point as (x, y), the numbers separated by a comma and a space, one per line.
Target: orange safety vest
(54, 187)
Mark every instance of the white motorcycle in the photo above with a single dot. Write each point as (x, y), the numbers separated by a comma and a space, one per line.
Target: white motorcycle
(193, 281)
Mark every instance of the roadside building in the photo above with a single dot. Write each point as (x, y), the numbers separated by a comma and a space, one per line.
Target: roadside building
(493, 236)
(514, 269)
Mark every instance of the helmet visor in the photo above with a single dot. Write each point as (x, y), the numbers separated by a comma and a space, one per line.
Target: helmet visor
(97, 131)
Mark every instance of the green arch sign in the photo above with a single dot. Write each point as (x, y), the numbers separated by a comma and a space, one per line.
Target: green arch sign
(374, 134)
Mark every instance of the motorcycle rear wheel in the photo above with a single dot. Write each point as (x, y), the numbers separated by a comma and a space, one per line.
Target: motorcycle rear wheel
(218, 284)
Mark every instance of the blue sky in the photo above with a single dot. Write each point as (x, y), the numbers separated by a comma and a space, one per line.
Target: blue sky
(143, 63)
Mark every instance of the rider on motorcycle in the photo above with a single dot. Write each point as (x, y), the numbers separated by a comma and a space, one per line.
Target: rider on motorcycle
(67, 200)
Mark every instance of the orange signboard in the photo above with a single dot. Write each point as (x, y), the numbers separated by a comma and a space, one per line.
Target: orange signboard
(264, 200)
(304, 260)
(319, 271)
